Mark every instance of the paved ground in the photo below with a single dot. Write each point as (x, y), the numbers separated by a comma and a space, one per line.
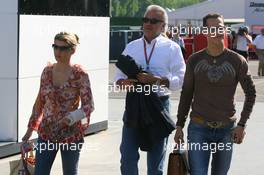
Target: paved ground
(100, 154)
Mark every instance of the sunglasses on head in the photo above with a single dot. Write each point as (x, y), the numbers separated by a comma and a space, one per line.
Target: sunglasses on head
(151, 20)
(61, 48)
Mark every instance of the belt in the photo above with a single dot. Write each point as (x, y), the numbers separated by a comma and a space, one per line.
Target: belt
(210, 124)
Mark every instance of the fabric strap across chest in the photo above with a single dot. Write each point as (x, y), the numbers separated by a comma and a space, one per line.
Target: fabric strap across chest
(147, 59)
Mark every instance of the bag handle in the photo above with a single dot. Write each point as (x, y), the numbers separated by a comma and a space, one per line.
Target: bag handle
(177, 149)
(180, 152)
(25, 148)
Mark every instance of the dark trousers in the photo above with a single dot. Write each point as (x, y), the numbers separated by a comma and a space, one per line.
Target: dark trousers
(243, 53)
(129, 149)
(46, 152)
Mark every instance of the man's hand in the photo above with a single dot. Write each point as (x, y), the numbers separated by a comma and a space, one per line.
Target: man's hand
(147, 78)
(178, 138)
(248, 38)
(238, 134)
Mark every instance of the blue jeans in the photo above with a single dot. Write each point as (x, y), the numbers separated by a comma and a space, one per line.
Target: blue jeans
(204, 142)
(129, 149)
(46, 152)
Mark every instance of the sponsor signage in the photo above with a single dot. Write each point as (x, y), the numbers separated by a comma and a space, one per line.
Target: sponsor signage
(254, 12)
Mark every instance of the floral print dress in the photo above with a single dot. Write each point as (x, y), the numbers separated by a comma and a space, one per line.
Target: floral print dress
(54, 103)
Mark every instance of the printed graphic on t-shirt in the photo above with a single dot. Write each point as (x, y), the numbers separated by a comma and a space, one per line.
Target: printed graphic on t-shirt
(215, 72)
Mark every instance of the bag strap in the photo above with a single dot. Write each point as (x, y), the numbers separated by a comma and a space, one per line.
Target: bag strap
(26, 148)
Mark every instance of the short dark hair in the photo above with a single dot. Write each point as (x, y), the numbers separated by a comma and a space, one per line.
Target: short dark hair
(211, 15)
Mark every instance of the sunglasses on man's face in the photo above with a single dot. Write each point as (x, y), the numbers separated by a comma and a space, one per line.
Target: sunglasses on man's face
(61, 48)
(151, 20)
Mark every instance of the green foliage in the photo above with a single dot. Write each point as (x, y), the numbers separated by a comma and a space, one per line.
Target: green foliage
(136, 8)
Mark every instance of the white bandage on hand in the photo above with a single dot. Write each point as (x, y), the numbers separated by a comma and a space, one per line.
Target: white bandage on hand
(75, 116)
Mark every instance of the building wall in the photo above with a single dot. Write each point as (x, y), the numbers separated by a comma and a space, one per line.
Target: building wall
(254, 10)
(198, 11)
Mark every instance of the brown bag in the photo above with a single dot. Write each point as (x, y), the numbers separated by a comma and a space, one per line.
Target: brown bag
(178, 164)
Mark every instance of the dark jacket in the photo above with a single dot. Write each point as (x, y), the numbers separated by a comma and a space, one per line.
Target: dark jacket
(144, 111)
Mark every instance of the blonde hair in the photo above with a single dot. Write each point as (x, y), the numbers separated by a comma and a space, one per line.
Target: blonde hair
(70, 38)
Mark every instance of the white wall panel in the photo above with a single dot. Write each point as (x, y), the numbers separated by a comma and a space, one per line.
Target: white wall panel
(28, 90)
(8, 46)
(8, 108)
(37, 34)
(99, 84)
(8, 6)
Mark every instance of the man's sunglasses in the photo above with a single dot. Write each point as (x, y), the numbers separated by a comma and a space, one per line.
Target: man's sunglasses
(151, 20)
(61, 48)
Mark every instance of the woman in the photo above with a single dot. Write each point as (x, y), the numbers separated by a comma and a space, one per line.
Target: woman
(55, 114)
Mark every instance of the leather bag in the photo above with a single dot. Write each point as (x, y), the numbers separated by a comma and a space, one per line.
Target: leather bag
(178, 163)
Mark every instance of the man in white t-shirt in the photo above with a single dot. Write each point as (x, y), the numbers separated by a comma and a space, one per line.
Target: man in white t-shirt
(259, 45)
(242, 40)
